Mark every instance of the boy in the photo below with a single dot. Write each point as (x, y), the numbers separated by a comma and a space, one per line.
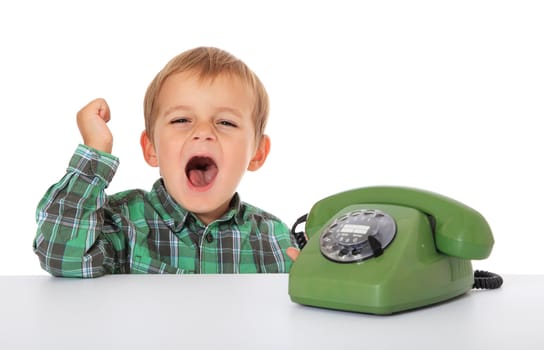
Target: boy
(205, 114)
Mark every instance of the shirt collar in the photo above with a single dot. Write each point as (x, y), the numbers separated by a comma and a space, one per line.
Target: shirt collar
(175, 216)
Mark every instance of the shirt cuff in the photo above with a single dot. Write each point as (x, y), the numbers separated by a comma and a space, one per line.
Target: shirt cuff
(93, 163)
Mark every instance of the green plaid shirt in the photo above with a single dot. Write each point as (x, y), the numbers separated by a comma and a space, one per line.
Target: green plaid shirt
(82, 232)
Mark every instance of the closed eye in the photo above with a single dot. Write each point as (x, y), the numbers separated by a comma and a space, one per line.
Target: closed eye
(180, 121)
(227, 123)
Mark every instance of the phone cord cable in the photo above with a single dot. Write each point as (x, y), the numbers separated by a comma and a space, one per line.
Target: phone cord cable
(486, 280)
(300, 237)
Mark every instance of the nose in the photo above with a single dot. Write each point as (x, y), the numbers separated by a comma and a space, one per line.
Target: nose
(203, 132)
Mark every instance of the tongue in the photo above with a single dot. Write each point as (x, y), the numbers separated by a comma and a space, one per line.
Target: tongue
(202, 178)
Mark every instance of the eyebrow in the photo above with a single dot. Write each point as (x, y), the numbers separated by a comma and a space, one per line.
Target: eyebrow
(175, 108)
(172, 109)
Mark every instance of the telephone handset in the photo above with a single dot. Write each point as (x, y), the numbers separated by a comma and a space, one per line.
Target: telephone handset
(388, 249)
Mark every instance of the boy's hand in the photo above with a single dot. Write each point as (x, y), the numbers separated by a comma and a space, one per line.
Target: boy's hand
(91, 121)
(293, 253)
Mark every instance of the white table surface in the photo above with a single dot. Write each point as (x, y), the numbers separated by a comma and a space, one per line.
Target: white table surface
(251, 312)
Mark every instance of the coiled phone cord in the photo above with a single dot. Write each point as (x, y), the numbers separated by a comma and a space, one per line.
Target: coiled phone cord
(486, 280)
(482, 279)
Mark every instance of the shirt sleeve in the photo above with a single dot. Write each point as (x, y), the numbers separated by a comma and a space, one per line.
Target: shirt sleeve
(284, 240)
(71, 218)
(271, 248)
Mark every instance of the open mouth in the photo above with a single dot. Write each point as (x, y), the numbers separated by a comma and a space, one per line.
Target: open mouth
(201, 171)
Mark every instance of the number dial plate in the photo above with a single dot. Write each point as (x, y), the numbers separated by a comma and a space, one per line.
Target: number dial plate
(346, 238)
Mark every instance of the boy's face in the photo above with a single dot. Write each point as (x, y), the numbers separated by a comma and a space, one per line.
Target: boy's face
(204, 141)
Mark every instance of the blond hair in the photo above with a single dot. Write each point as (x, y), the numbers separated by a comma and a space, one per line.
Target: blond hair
(208, 63)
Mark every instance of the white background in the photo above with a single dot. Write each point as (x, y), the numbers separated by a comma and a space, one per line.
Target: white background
(438, 95)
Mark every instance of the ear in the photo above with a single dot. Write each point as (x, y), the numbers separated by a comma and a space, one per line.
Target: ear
(148, 150)
(260, 154)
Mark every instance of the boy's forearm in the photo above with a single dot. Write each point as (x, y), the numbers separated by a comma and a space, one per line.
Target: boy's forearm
(70, 219)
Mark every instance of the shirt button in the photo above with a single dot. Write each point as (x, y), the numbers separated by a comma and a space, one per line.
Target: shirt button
(209, 238)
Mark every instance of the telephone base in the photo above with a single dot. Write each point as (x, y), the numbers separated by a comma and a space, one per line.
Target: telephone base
(377, 307)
